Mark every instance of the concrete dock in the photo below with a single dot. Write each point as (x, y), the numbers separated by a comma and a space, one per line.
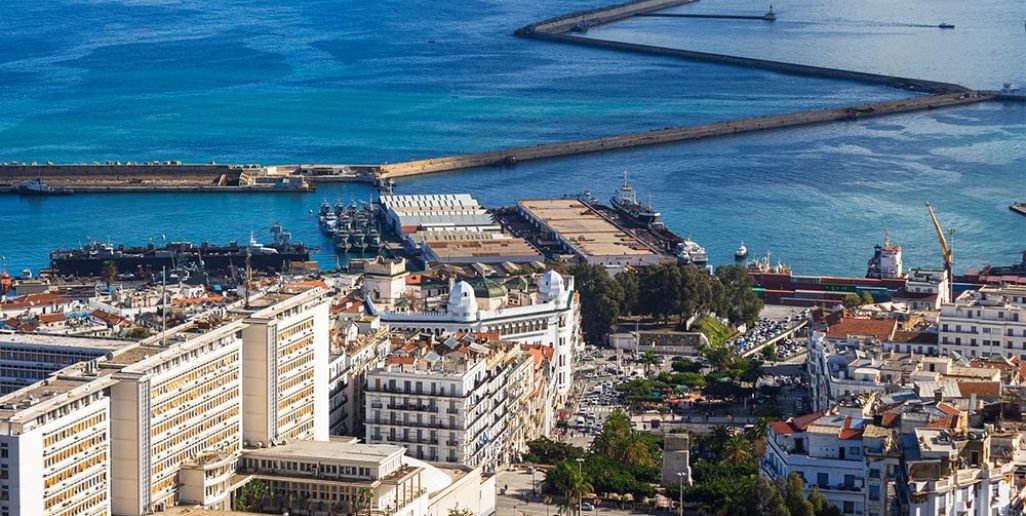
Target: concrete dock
(763, 17)
(675, 134)
(155, 177)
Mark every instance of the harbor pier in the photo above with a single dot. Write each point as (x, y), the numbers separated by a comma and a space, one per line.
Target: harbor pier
(675, 134)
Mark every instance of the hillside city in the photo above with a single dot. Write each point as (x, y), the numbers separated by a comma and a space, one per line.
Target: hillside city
(572, 378)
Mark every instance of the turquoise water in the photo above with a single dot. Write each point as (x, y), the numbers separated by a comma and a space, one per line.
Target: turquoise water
(359, 82)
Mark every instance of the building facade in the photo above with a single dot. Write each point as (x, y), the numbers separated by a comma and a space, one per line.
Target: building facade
(987, 322)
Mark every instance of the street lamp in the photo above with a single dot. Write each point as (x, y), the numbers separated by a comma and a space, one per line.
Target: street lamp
(680, 506)
(580, 496)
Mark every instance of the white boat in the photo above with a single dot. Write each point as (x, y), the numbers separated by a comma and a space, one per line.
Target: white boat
(742, 252)
(689, 252)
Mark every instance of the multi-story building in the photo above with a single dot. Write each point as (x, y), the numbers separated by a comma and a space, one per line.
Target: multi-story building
(448, 403)
(338, 476)
(28, 358)
(910, 457)
(353, 354)
(986, 322)
(55, 451)
(172, 403)
(544, 311)
(285, 367)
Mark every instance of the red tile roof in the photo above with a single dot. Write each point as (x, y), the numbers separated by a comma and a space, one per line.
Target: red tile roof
(880, 329)
(948, 409)
(51, 318)
(400, 360)
(889, 419)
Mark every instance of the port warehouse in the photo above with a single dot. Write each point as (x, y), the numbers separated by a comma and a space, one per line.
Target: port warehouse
(589, 235)
(453, 228)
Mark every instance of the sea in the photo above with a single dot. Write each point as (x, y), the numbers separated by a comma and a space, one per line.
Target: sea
(342, 81)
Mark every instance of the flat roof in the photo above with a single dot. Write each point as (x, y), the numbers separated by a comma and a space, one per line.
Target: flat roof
(329, 450)
(480, 248)
(38, 339)
(133, 355)
(584, 228)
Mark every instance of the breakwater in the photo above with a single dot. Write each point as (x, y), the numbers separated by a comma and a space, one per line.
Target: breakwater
(172, 177)
(675, 134)
(763, 17)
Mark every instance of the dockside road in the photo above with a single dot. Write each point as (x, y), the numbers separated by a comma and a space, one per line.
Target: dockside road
(675, 134)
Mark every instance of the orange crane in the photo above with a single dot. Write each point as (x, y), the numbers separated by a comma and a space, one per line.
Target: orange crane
(945, 250)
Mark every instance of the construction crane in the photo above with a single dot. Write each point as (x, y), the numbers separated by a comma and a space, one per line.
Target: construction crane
(945, 250)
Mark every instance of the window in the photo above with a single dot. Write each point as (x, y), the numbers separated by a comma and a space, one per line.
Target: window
(822, 479)
(874, 473)
(874, 493)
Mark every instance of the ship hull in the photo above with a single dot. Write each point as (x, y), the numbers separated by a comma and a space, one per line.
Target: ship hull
(151, 263)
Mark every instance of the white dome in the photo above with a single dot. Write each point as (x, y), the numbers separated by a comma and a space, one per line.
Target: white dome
(551, 285)
(462, 301)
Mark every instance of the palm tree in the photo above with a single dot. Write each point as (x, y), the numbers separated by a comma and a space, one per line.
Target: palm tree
(736, 450)
(636, 454)
(650, 359)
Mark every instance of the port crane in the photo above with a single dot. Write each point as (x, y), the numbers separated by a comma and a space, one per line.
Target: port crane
(945, 250)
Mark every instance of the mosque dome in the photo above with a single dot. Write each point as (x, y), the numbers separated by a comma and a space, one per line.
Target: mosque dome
(462, 300)
(551, 285)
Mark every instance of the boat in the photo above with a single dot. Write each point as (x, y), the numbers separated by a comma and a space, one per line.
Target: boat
(945, 25)
(886, 261)
(742, 252)
(38, 187)
(1018, 207)
(626, 203)
(690, 253)
(89, 260)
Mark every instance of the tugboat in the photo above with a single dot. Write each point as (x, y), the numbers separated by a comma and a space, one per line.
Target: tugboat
(945, 25)
(742, 252)
(38, 187)
(626, 203)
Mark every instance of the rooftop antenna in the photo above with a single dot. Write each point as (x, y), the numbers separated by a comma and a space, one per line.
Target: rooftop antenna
(163, 305)
(249, 275)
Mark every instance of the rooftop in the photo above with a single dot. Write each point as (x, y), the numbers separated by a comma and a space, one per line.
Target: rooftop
(587, 231)
(64, 341)
(334, 450)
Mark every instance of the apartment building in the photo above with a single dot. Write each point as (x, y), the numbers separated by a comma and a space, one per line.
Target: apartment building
(541, 309)
(170, 404)
(901, 456)
(28, 358)
(361, 348)
(55, 453)
(445, 403)
(985, 322)
(285, 366)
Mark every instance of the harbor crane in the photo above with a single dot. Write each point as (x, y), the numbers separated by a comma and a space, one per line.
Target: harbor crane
(945, 250)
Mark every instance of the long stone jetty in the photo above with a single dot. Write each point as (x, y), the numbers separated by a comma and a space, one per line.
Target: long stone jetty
(675, 134)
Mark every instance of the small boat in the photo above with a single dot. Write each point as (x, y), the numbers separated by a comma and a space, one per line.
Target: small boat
(742, 252)
(38, 187)
(945, 25)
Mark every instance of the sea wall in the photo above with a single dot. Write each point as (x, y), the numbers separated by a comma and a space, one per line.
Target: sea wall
(676, 134)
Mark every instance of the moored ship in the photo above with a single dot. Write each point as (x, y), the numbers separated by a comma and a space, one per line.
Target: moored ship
(91, 259)
(626, 202)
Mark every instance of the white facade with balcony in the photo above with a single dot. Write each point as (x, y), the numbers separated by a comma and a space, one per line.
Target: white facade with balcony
(985, 322)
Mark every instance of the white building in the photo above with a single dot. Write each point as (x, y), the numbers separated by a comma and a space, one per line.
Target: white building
(985, 322)
(28, 358)
(452, 408)
(285, 367)
(55, 451)
(548, 316)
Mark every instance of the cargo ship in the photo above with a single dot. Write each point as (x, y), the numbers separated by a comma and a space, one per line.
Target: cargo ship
(626, 203)
(91, 259)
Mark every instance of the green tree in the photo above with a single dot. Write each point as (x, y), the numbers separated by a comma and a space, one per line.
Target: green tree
(751, 370)
(737, 449)
(770, 352)
(741, 303)
(764, 499)
(851, 301)
(251, 496)
(660, 294)
(817, 501)
(649, 359)
(601, 298)
(695, 292)
(566, 478)
(794, 496)
(460, 512)
(628, 281)
(138, 333)
(867, 298)
(110, 272)
(546, 451)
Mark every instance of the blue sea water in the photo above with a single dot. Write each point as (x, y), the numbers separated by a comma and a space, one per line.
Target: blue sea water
(352, 82)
